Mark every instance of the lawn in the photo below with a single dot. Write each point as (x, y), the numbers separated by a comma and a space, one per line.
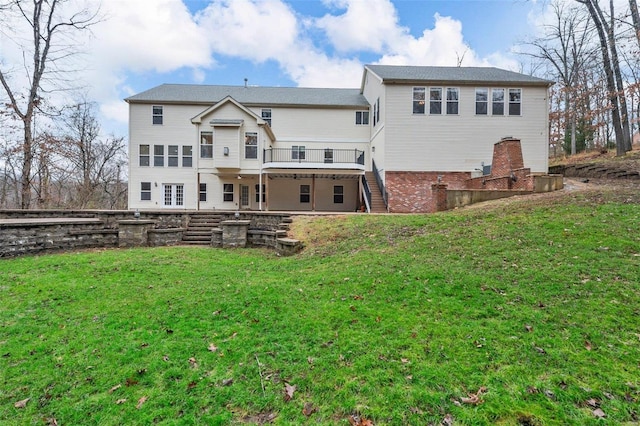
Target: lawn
(516, 313)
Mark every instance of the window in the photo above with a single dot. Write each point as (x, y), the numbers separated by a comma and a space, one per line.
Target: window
(173, 195)
(144, 155)
(482, 99)
(418, 100)
(266, 115)
(362, 118)
(145, 191)
(158, 155)
(264, 195)
(378, 110)
(305, 193)
(206, 144)
(187, 156)
(172, 160)
(452, 100)
(435, 100)
(157, 114)
(227, 192)
(297, 153)
(375, 111)
(338, 194)
(203, 192)
(515, 100)
(328, 155)
(250, 145)
(497, 101)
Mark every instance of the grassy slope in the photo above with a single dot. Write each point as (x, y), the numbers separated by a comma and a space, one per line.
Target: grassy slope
(394, 318)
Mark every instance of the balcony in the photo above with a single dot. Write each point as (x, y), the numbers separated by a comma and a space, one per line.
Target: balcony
(299, 158)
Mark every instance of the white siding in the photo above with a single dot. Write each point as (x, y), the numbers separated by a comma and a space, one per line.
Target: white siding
(416, 142)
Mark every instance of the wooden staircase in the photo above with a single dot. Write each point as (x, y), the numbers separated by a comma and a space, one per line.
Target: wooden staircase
(377, 202)
(199, 229)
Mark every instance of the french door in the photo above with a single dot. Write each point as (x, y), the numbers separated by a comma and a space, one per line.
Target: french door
(173, 195)
(244, 196)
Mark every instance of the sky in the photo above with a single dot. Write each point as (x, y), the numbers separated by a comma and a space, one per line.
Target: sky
(308, 43)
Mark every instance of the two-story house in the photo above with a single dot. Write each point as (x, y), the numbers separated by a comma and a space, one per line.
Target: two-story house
(200, 147)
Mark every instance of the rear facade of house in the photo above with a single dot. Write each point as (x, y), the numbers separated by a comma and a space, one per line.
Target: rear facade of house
(197, 147)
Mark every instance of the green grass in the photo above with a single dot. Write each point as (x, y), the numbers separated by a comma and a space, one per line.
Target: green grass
(392, 318)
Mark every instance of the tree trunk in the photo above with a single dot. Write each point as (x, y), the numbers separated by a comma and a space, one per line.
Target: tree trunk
(27, 162)
(635, 18)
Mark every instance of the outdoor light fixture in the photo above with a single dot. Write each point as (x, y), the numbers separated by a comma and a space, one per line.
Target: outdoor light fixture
(226, 150)
(136, 214)
(237, 215)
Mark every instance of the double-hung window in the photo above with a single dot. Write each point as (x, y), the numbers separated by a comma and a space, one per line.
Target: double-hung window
(202, 192)
(227, 192)
(305, 193)
(419, 94)
(158, 155)
(435, 100)
(298, 152)
(263, 192)
(206, 144)
(250, 145)
(266, 115)
(145, 191)
(497, 101)
(173, 156)
(338, 194)
(362, 118)
(328, 155)
(453, 95)
(144, 155)
(482, 101)
(515, 101)
(187, 156)
(156, 114)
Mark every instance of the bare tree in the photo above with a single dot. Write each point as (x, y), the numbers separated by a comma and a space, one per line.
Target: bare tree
(47, 23)
(635, 19)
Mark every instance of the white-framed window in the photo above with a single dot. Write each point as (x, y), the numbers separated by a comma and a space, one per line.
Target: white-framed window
(338, 194)
(145, 191)
(156, 114)
(173, 195)
(266, 115)
(482, 101)
(202, 192)
(206, 144)
(375, 110)
(298, 152)
(250, 145)
(419, 94)
(173, 156)
(435, 100)
(453, 96)
(378, 110)
(158, 155)
(263, 192)
(305, 193)
(187, 156)
(497, 101)
(515, 101)
(227, 192)
(362, 118)
(328, 155)
(144, 155)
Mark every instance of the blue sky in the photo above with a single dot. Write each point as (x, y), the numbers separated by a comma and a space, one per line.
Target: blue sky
(315, 43)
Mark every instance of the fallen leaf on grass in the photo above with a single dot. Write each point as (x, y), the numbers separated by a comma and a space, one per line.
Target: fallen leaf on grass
(227, 382)
(21, 404)
(51, 421)
(528, 328)
(193, 363)
(448, 420)
(359, 421)
(141, 401)
(115, 388)
(587, 345)
(592, 402)
(288, 392)
(121, 401)
(309, 409)
(599, 414)
(474, 398)
(212, 347)
(540, 350)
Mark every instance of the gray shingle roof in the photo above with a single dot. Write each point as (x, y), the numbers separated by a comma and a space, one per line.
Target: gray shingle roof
(471, 75)
(251, 95)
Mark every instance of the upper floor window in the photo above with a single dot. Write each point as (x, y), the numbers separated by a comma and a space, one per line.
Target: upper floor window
(158, 155)
(482, 101)
(266, 115)
(435, 100)
(157, 114)
(250, 145)
(328, 155)
(362, 118)
(497, 101)
(187, 156)
(144, 155)
(172, 160)
(515, 101)
(418, 100)
(206, 144)
(453, 95)
(297, 152)
(378, 110)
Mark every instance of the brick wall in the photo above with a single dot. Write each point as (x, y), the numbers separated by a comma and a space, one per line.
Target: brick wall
(410, 192)
(507, 156)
